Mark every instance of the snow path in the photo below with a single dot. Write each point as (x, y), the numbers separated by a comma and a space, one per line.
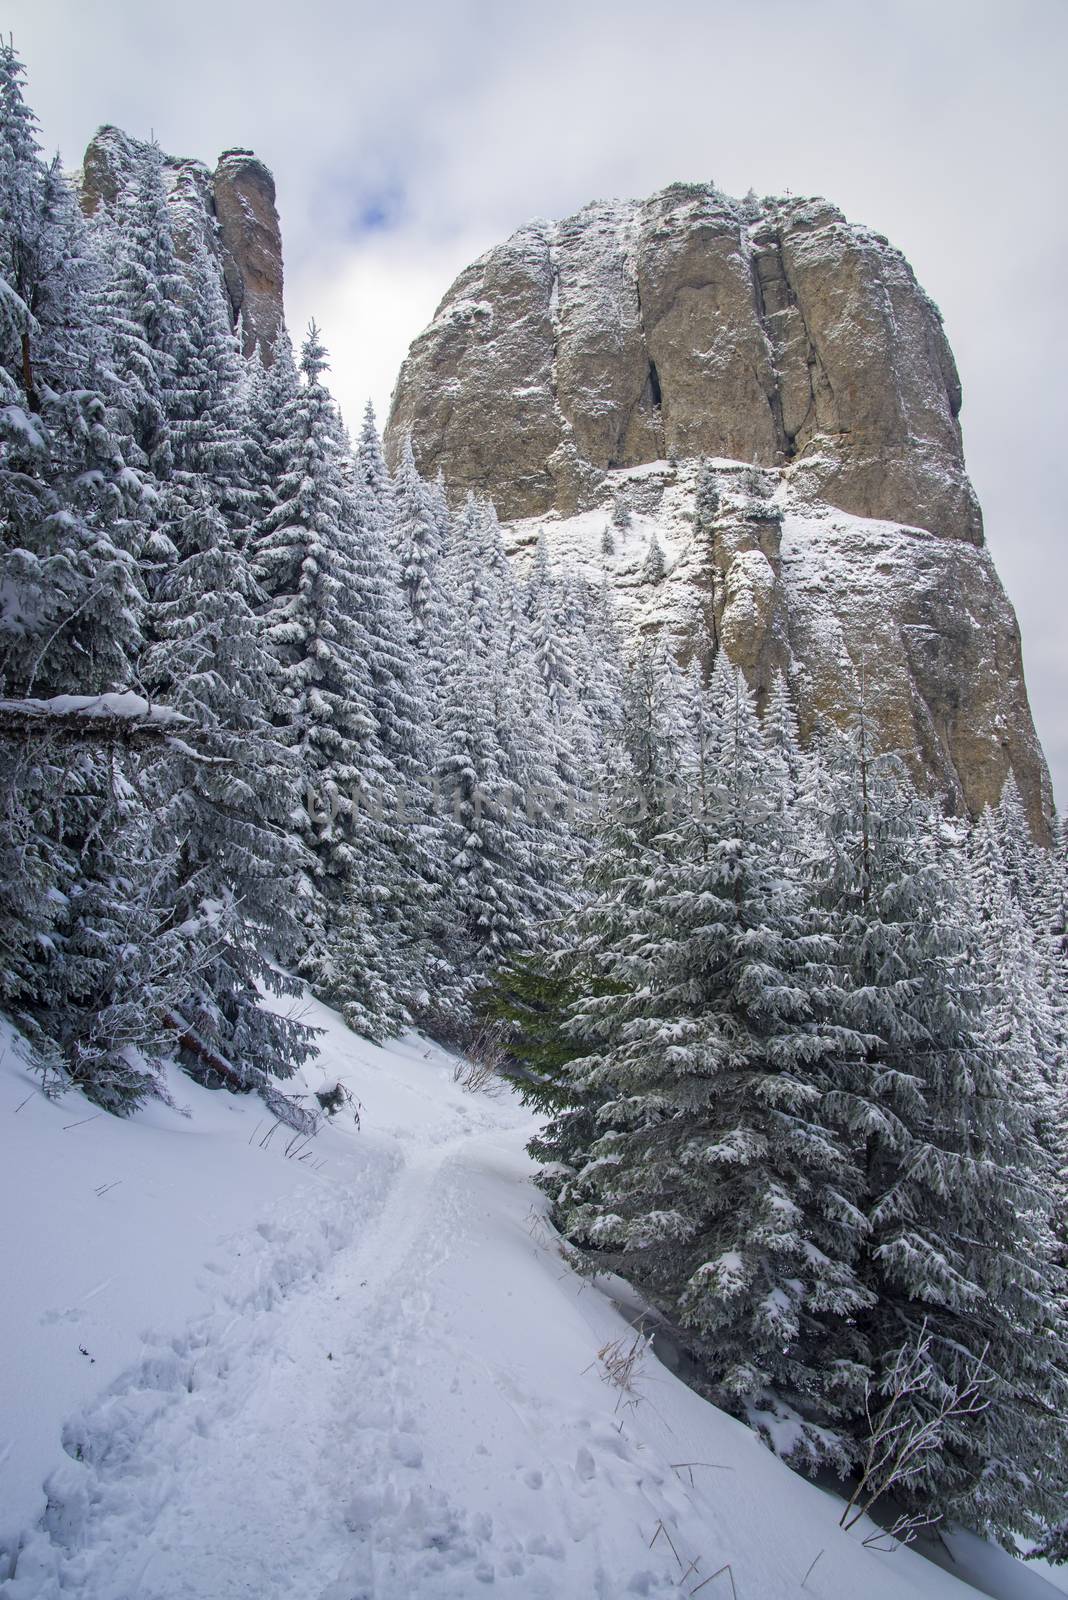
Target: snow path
(396, 1396)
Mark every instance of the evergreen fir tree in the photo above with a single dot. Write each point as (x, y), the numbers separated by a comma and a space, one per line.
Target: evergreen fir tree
(622, 514)
(208, 424)
(716, 1184)
(236, 879)
(143, 310)
(1018, 853)
(336, 623)
(957, 1241)
(706, 513)
(530, 1001)
(491, 768)
(654, 737)
(550, 657)
(417, 533)
(707, 500)
(72, 595)
(305, 559)
(409, 890)
(79, 967)
(792, 774)
(371, 465)
(270, 393)
(653, 567)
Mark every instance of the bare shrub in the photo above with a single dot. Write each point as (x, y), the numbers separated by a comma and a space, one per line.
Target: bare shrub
(337, 1096)
(480, 1070)
(910, 1427)
(621, 1362)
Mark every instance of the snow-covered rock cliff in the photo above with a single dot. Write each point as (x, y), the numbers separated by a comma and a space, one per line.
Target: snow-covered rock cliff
(233, 207)
(615, 349)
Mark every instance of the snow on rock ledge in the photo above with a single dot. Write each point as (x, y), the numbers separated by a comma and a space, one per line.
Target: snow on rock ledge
(789, 583)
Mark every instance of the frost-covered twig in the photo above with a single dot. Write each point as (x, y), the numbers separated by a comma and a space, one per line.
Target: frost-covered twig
(811, 1568)
(899, 1439)
(479, 1069)
(711, 1579)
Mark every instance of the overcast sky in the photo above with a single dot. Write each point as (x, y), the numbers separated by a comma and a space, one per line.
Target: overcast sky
(406, 138)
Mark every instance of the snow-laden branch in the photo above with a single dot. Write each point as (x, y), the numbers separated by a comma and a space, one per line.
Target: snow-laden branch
(96, 717)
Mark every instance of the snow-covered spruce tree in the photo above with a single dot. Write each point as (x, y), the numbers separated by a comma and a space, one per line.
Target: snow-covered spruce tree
(1050, 921)
(230, 803)
(1019, 854)
(1036, 881)
(268, 393)
(655, 737)
(706, 513)
(493, 776)
(80, 966)
(793, 773)
(1051, 904)
(89, 976)
(653, 567)
(305, 561)
(417, 540)
(371, 465)
(577, 659)
(707, 500)
(402, 704)
(72, 599)
(716, 1184)
(320, 558)
(1027, 1002)
(208, 423)
(645, 744)
(541, 604)
(594, 644)
(142, 310)
(411, 896)
(1022, 1009)
(569, 679)
(955, 1180)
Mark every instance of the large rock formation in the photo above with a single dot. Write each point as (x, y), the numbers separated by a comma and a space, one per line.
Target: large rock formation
(251, 245)
(770, 333)
(233, 208)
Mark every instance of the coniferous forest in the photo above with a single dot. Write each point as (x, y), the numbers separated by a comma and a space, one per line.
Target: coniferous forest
(273, 716)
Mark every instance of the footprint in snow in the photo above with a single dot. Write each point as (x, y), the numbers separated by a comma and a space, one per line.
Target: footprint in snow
(70, 1314)
(405, 1448)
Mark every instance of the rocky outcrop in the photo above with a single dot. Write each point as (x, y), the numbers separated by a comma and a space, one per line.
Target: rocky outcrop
(842, 604)
(233, 210)
(607, 353)
(692, 324)
(251, 246)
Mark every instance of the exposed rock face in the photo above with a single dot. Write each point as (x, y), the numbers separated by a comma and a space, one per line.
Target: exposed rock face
(787, 583)
(251, 246)
(234, 210)
(692, 324)
(773, 333)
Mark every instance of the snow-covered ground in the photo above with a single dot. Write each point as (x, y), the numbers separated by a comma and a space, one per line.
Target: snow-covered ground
(369, 1373)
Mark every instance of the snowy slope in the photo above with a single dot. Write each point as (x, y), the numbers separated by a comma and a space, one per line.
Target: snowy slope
(370, 1374)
